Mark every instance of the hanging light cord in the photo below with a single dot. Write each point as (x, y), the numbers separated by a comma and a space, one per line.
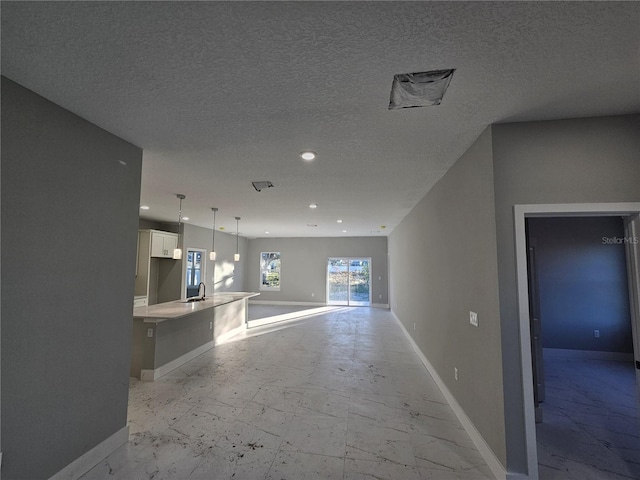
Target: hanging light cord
(237, 250)
(181, 197)
(213, 235)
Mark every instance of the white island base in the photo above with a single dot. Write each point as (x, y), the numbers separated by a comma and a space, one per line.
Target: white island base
(167, 335)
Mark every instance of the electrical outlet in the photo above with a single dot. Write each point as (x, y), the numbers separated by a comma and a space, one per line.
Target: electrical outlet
(313, 294)
(210, 325)
(455, 373)
(596, 333)
(473, 318)
(380, 296)
(149, 332)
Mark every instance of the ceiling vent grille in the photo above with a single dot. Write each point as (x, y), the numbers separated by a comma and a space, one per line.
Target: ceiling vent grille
(261, 185)
(421, 89)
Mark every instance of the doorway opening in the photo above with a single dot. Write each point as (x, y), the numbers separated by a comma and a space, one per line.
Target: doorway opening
(629, 211)
(348, 281)
(582, 348)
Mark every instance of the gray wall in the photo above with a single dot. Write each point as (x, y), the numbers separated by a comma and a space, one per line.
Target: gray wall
(588, 160)
(70, 197)
(229, 275)
(443, 265)
(304, 266)
(582, 283)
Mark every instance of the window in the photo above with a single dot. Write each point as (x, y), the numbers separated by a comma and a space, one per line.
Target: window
(270, 271)
(194, 271)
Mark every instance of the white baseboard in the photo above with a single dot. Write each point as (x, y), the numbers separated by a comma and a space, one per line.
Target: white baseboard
(494, 464)
(90, 459)
(147, 375)
(587, 354)
(308, 304)
(259, 322)
(274, 302)
(231, 333)
(380, 305)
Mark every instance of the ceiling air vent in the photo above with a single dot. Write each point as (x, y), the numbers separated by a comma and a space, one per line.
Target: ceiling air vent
(421, 89)
(259, 186)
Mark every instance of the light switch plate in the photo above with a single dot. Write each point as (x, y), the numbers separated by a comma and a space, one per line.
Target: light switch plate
(473, 318)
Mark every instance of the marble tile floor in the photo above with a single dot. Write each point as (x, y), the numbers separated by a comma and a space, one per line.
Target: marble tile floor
(339, 395)
(591, 428)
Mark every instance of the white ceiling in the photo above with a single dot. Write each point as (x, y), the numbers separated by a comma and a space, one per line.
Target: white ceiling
(219, 94)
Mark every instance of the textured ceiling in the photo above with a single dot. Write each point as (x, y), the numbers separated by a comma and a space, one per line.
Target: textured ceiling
(219, 94)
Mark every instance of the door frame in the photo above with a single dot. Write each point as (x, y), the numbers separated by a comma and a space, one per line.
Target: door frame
(632, 250)
(545, 210)
(348, 286)
(203, 273)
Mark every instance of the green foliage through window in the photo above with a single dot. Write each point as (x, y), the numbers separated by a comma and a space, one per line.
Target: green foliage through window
(270, 271)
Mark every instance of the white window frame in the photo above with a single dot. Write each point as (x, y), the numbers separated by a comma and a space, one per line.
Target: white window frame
(266, 288)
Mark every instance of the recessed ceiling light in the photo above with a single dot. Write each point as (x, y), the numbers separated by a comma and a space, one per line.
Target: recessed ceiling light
(144, 207)
(344, 231)
(313, 205)
(185, 218)
(267, 232)
(308, 156)
(339, 220)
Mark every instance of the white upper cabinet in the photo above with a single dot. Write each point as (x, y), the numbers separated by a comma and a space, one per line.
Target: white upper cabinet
(163, 244)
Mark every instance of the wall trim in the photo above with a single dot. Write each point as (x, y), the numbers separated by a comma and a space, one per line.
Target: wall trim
(231, 333)
(487, 454)
(310, 304)
(151, 375)
(380, 305)
(93, 457)
(259, 322)
(278, 302)
(587, 354)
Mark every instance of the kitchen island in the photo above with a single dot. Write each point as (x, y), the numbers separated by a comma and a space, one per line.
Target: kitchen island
(167, 335)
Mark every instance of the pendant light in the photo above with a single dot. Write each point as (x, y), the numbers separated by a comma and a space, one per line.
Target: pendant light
(212, 254)
(236, 257)
(177, 252)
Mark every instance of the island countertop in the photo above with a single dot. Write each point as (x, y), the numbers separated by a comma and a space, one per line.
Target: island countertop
(180, 308)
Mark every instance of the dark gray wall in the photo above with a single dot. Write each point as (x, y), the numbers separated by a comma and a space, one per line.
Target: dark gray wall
(304, 266)
(582, 283)
(590, 160)
(70, 194)
(443, 264)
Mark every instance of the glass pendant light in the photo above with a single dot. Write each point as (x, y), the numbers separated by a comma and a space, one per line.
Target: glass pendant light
(236, 257)
(212, 254)
(177, 252)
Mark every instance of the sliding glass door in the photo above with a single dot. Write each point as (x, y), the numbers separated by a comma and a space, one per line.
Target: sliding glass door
(348, 281)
